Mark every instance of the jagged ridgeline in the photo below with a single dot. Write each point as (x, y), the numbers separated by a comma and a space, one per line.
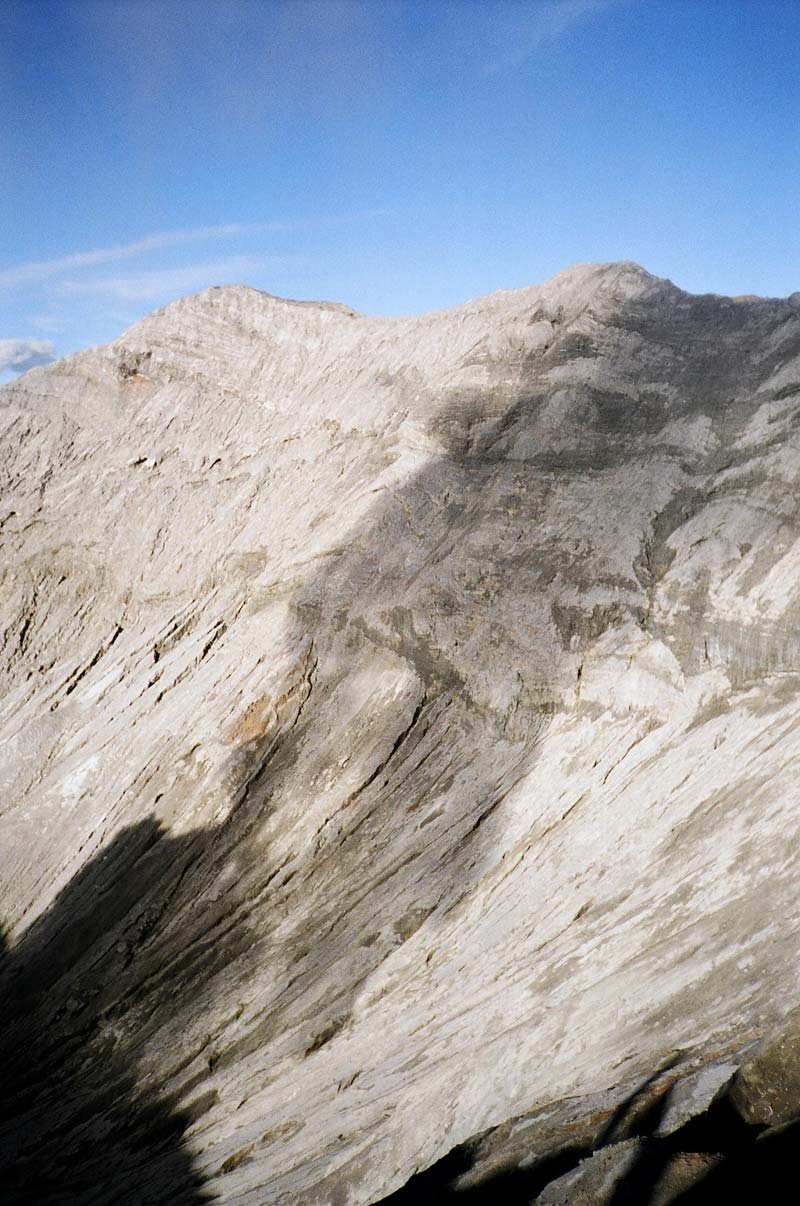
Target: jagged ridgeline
(400, 751)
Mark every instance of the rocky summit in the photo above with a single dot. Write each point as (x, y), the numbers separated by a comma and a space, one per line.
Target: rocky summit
(400, 758)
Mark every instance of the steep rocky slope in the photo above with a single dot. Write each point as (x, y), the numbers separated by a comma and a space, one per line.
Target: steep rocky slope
(399, 737)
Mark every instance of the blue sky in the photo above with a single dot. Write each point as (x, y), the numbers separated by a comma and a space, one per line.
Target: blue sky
(393, 154)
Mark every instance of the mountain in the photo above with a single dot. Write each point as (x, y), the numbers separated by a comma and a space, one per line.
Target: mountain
(400, 746)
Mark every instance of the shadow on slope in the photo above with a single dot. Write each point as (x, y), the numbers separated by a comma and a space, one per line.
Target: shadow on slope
(147, 934)
(713, 1159)
(74, 1125)
(146, 937)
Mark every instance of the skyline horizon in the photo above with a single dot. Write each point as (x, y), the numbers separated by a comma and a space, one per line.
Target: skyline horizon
(400, 158)
(6, 346)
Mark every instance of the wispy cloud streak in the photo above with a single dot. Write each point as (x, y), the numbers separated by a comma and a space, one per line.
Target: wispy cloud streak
(40, 270)
(43, 270)
(543, 23)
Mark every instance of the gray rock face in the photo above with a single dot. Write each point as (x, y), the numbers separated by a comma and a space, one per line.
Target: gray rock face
(623, 1173)
(399, 731)
(766, 1089)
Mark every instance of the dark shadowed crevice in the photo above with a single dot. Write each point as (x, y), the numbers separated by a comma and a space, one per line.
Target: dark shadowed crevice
(714, 1159)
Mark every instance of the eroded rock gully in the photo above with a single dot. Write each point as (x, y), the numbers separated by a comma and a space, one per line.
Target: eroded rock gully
(400, 757)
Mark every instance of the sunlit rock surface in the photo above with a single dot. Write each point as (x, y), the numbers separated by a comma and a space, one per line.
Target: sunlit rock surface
(399, 736)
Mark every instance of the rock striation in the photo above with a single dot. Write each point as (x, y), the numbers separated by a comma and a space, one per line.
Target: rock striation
(400, 749)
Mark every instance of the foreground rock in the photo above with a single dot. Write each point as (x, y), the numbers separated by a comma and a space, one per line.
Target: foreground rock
(400, 744)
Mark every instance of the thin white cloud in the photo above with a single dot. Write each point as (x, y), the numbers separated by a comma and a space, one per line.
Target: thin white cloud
(44, 270)
(40, 270)
(168, 282)
(17, 355)
(543, 23)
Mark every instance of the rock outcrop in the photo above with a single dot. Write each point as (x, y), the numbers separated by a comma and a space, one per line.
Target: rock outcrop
(400, 747)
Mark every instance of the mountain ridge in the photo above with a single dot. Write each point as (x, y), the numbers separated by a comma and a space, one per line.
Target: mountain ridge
(573, 271)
